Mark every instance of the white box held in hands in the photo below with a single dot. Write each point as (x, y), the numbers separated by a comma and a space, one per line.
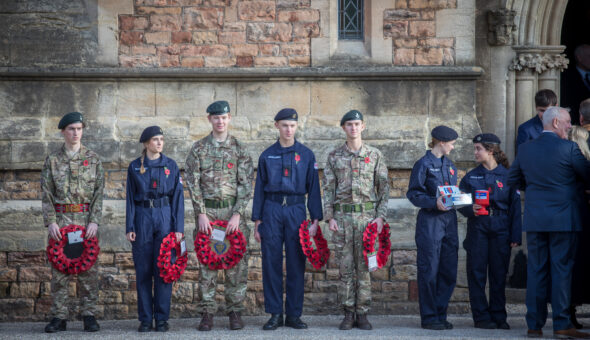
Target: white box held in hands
(452, 196)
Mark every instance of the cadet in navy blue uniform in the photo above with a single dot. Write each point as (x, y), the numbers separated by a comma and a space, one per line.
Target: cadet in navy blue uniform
(287, 171)
(436, 229)
(155, 207)
(489, 238)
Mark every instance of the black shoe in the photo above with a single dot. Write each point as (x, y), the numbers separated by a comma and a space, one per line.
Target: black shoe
(295, 322)
(90, 324)
(144, 326)
(447, 324)
(435, 326)
(275, 321)
(574, 319)
(502, 325)
(488, 324)
(162, 326)
(56, 325)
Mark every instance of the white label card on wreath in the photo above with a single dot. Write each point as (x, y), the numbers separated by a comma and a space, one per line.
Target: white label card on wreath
(182, 248)
(75, 237)
(218, 235)
(372, 259)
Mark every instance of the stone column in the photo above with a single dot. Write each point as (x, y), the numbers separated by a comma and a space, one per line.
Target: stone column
(535, 68)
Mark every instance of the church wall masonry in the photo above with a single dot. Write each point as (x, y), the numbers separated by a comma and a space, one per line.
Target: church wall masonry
(129, 64)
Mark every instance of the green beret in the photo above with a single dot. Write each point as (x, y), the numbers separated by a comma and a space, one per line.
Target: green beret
(351, 115)
(70, 118)
(219, 107)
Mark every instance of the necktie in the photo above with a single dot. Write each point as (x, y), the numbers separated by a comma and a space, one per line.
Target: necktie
(587, 80)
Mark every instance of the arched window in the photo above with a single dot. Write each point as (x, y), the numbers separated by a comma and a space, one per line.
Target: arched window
(350, 19)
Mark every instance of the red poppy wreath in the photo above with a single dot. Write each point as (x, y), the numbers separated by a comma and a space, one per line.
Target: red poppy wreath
(228, 259)
(317, 257)
(170, 272)
(59, 260)
(369, 238)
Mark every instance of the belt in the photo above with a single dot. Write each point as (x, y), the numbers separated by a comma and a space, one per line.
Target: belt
(154, 202)
(72, 208)
(287, 199)
(218, 204)
(348, 208)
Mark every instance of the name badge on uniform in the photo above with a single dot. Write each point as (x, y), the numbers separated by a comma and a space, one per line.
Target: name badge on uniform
(218, 234)
(75, 237)
(372, 261)
(182, 247)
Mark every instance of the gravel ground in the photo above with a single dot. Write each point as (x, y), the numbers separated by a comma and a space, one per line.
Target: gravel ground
(320, 327)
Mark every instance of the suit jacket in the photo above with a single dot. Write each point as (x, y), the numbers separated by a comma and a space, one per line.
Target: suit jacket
(573, 92)
(531, 129)
(549, 169)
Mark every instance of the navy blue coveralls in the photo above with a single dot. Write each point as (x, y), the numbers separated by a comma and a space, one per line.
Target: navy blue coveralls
(436, 236)
(155, 207)
(488, 240)
(285, 176)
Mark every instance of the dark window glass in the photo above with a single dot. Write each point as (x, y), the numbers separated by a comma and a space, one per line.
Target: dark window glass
(350, 19)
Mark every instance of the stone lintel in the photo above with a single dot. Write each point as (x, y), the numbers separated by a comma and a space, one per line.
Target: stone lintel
(247, 74)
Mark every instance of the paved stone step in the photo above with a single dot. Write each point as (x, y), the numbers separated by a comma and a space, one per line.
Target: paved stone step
(320, 327)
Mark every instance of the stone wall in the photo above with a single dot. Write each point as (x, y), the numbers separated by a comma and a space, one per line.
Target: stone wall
(399, 116)
(127, 64)
(218, 33)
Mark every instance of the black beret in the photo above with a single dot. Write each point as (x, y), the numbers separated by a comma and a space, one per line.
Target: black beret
(351, 115)
(70, 118)
(150, 132)
(286, 114)
(444, 133)
(488, 138)
(219, 107)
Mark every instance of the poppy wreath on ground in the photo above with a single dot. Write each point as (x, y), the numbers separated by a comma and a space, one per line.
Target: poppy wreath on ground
(59, 260)
(170, 272)
(369, 238)
(317, 257)
(227, 260)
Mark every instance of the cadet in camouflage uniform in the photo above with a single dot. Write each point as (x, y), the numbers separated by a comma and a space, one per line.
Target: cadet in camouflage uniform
(356, 191)
(219, 178)
(72, 182)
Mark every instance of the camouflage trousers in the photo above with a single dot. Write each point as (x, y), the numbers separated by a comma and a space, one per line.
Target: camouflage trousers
(354, 292)
(235, 279)
(87, 281)
(88, 288)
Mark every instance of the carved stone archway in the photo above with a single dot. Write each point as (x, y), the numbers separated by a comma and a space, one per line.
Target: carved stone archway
(522, 46)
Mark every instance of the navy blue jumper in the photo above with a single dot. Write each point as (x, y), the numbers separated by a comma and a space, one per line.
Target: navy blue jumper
(436, 236)
(488, 240)
(284, 177)
(155, 207)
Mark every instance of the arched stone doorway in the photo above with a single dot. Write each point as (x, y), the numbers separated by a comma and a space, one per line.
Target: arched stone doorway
(574, 33)
(520, 48)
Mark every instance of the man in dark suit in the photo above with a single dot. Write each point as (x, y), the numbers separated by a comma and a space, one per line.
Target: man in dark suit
(576, 82)
(533, 127)
(547, 168)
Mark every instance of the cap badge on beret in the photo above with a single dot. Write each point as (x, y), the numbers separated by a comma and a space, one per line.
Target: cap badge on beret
(218, 108)
(70, 118)
(286, 114)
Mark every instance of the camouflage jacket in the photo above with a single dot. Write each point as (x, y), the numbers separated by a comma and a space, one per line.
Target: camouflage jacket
(72, 181)
(219, 171)
(354, 179)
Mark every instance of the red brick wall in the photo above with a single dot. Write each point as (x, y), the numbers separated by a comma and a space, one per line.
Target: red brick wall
(412, 26)
(218, 33)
